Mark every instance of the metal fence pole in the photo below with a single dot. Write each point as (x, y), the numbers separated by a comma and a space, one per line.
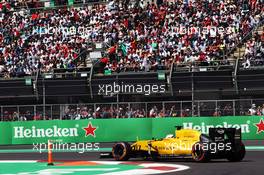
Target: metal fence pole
(234, 108)
(62, 109)
(198, 108)
(146, 109)
(193, 93)
(35, 110)
(44, 98)
(181, 109)
(51, 112)
(2, 115)
(18, 112)
(77, 111)
(216, 106)
(117, 100)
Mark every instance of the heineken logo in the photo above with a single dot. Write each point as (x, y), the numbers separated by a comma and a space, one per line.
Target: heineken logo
(260, 126)
(53, 131)
(205, 128)
(89, 130)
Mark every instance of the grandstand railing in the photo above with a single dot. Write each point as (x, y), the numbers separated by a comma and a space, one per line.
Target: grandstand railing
(64, 73)
(197, 66)
(181, 67)
(171, 108)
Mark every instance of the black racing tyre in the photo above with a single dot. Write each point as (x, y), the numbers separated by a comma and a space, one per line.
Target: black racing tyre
(121, 151)
(238, 154)
(199, 154)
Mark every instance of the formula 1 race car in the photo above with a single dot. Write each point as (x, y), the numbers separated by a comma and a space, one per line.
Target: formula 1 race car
(186, 143)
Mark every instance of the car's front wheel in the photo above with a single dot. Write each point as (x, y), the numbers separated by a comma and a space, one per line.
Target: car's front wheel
(121, 151)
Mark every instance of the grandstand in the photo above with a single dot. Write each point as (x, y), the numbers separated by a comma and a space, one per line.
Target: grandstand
(59, 57)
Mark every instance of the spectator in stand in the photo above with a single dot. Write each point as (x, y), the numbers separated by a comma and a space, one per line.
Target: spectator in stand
(228, 110)
(217, 112)
(252, 110)
(262, 109)
(140, 113)
(173, 112)
(90, 114)
(28, 115)
(38, 116)
(153, 112)
(129, 113)
(161, 114)
(258, 111)
(97, 113)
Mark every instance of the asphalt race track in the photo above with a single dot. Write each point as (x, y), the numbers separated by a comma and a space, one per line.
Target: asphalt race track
(252, 164)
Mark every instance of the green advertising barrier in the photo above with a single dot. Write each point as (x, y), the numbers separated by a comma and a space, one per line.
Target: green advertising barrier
(100, 130)
(111, 130)
(252, 127)
(5, 133)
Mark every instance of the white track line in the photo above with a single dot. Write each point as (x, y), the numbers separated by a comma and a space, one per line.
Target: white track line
(18, 161)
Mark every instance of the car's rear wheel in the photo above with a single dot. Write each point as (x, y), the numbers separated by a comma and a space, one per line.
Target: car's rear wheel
(198, 153)
(238, 154)
(121, 151)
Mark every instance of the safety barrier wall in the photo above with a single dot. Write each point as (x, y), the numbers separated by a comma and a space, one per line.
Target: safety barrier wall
(112, 130)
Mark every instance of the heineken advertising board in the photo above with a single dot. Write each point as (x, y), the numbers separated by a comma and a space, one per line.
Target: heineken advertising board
(111, 130)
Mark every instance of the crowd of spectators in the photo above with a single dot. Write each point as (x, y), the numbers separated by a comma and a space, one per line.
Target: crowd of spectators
(154, 36)
(143, 37)
(72, 112)
(104, 112)
(29, 43)
(254, 52)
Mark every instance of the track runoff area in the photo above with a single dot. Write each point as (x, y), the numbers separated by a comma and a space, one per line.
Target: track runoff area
(24, 160)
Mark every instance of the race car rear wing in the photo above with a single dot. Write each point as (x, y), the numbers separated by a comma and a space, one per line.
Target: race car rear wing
(231, 135)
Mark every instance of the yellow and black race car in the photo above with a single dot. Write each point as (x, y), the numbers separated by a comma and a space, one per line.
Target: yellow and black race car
(186, 143)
